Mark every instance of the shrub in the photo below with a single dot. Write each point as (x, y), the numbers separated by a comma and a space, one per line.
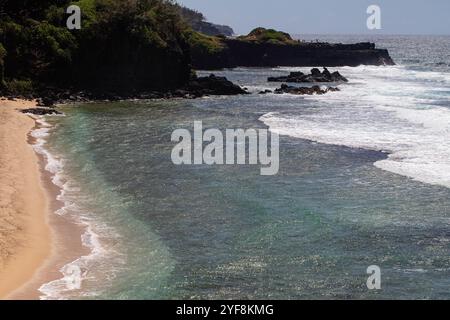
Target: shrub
(269, 36)
(37, 50)
(19, 87)
(202, 43)
(132, 45)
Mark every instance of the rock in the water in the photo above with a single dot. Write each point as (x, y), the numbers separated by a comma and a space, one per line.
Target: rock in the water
(304, 90)
(45, 102)
(315, 72)
(315, 76)
(265, 91)
(337, 77)
(213, 85)
(41, 111)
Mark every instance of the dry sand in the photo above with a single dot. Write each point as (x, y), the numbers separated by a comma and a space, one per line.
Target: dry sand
(34, 243)
(25, 238)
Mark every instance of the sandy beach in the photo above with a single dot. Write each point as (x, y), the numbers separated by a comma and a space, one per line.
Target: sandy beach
(25, 238)
(34, 243)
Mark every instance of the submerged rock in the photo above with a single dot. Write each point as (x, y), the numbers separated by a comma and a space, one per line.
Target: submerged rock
(315, 76)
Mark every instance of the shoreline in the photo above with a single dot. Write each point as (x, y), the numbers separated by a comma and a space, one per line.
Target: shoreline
(43, 242)
(25, 233)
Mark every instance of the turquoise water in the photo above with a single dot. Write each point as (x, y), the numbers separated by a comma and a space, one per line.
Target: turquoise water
(160, 231)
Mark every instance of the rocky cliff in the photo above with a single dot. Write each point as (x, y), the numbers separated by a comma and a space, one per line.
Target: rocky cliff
(271, 48)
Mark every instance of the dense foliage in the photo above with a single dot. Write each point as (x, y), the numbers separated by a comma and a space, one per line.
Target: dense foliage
(123, 45)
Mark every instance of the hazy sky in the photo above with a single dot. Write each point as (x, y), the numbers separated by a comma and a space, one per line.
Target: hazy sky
(327, 16)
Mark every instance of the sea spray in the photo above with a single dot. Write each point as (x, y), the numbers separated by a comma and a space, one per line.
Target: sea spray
(397, 116)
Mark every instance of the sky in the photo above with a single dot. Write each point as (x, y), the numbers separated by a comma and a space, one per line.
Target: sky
(327, 16)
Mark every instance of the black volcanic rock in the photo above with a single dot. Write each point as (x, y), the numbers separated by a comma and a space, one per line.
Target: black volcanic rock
(304, 90)
(45, 102)
(41, 111)
(196, 87)
(244, 53)
(315, 76)
(336, 77)
(213, 85)
(315, 72)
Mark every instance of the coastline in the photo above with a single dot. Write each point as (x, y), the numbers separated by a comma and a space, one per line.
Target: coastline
(25, 236)
(37, 243)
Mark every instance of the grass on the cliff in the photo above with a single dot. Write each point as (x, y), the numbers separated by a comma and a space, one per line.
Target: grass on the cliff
(201, 42)
(262, 35)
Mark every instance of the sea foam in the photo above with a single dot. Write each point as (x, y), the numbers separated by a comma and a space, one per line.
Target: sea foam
(77, 271)
(389, 109)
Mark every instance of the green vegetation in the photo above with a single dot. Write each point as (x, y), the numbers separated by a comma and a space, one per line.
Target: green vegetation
(19, 87)
(201, 43)
(192, 17)
(123, 45)
(262, 35)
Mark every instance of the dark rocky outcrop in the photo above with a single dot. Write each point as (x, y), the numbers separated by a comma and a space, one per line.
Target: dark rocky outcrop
(195, 88)
(314, 76)
(213, 85)
(271, 49)
(41, 111)
(304, 90)
(45, 102)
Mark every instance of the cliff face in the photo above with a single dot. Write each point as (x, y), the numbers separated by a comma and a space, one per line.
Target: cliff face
(237, 53)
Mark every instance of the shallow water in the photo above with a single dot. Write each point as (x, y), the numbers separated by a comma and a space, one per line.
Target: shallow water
(337, 205)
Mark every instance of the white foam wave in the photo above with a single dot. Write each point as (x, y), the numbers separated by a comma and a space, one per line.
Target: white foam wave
(387, 109)
(76, 272)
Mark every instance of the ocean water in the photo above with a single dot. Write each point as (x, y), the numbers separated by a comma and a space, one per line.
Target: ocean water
(364, 180)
